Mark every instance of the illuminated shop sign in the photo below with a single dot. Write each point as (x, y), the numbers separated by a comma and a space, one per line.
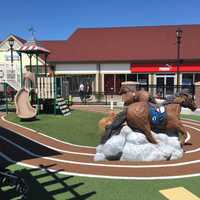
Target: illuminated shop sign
(150, 68)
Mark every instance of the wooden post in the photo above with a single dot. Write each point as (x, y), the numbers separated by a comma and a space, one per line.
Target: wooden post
(30, 58)
(6, 96)
(36, 75)
(55, 94)
(21, 70)
(45, 64)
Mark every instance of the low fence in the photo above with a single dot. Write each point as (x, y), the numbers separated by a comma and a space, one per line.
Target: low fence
(105, 98)
(163, 91)
(160, 92)
(46, 87)
(10, 74)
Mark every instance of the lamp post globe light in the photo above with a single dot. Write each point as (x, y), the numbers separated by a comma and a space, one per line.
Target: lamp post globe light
(178, 42)
(11, 44)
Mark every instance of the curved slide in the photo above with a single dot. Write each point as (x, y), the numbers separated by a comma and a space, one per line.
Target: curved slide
(24, 110)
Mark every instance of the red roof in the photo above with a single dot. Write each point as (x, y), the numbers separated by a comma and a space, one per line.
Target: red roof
(126, 44)
(55, 47)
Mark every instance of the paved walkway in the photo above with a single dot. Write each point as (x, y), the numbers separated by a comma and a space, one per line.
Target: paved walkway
(94, 108)
(106, 109)
(189, 112)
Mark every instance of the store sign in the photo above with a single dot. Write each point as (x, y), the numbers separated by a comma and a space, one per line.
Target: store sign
(190, 68)
(164, 69)
(150, 68)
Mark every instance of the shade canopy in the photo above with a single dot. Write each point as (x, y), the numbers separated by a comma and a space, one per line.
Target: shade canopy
(33, 47)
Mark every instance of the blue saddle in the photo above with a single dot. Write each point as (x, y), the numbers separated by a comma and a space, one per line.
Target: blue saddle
(158, 115)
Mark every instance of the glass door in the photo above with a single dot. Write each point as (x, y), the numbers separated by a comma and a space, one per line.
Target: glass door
(169, 86)
(164, 85)
(160, 83)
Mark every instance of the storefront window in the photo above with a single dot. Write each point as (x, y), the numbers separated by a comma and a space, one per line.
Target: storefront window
(132, 77)
(197, 77)
(119, 79)
(112, 82)
(187, 79)
(187, 82)
(143, 80)
(74, 81)
(109, 83)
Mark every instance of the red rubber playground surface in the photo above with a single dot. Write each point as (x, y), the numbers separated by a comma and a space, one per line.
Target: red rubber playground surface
(32, 149)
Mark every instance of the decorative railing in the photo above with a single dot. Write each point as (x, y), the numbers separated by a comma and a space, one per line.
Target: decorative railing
(10, 74)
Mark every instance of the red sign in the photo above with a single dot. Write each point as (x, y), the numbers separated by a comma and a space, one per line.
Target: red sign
(150, 68)
(188, 68)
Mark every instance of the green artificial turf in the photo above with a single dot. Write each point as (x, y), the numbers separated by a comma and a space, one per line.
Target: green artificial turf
(79, 128)
(54, 186)
(194, 117)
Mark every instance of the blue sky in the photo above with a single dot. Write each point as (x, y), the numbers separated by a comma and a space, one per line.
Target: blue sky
(58, 19)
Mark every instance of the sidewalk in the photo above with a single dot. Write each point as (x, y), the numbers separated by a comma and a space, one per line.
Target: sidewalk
(94, 108)
(189, 112)
(106, 109)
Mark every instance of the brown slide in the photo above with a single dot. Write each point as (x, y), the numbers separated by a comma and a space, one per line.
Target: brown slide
(24, 110)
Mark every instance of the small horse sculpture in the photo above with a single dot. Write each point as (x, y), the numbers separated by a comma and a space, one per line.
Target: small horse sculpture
(130, 96)
(138, 117)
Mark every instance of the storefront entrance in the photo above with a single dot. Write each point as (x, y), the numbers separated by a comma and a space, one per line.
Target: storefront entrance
(69, 84)
(165, 85)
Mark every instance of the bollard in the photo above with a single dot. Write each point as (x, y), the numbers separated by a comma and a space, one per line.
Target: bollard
(111, 105)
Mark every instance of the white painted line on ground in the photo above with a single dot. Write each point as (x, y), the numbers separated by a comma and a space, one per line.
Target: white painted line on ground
(53, 148)
(188, 119)
(99, 164)
(103, 176)
(80, 153)
(3, 118)
(191, 123)
(193, 151)
(197, 129)
(82, 146)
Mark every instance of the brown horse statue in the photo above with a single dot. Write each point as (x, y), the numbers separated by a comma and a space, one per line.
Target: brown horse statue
(113, 122)
(139, 117)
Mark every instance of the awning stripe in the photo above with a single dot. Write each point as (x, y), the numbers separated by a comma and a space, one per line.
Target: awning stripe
(33, 48)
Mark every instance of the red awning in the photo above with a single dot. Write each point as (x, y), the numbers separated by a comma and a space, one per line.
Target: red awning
(150, 68)
(33, 47)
